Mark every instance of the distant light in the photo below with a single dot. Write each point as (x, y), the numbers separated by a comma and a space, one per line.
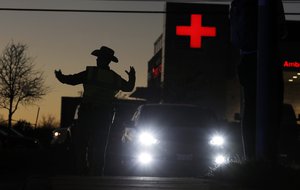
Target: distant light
(56, 134)
(298, 73)
(294, 77)
(291, 80)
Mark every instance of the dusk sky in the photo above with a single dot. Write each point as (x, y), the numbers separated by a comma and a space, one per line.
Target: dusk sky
(58, 40)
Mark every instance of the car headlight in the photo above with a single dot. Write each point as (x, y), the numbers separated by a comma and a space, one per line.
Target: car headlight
(217, 140)
(147, 139)
(220, 160)
(145, 158)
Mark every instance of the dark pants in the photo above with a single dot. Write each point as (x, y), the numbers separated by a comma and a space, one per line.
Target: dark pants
(90, 137)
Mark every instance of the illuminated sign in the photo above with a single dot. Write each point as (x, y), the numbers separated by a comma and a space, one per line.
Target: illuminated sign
(289, 47)
(294, 64)
(156, 72)
(197, 53)
(196, 31)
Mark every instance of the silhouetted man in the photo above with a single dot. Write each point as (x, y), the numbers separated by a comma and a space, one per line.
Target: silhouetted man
(100, 85)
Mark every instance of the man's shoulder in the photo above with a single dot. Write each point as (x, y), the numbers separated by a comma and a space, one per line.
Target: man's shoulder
(90, 67)
(114, 73)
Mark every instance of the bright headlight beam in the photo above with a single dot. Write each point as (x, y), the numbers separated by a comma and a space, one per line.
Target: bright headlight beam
(147, 139)
(220, 159)
(217, 140)
(145, 158)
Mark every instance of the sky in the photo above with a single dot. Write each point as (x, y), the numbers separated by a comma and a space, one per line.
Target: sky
(64, 40)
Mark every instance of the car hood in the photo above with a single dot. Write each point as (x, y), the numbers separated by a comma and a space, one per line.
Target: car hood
(183, 134)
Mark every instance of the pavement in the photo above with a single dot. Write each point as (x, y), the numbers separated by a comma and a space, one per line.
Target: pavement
(40, 179)
(40, 171)
(113, 183)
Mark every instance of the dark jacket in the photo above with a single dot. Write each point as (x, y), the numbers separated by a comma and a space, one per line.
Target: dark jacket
(100, 85)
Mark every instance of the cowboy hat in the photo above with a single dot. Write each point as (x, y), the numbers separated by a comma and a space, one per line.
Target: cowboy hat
(105, 51)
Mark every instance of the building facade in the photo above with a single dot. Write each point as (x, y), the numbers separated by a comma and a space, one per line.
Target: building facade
(195, 62)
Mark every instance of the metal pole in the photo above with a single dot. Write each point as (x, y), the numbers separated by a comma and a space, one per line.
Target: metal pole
(267, 82)
(37, 117)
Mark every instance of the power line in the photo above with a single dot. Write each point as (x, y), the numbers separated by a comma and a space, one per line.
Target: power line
(77, 10)
(95, 11)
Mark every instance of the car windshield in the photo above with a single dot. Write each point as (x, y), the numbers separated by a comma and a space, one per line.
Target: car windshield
(173, 115)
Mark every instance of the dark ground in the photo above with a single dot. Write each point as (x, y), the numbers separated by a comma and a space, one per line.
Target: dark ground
(52, 169)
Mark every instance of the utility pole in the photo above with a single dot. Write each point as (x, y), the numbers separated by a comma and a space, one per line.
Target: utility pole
(37, 116)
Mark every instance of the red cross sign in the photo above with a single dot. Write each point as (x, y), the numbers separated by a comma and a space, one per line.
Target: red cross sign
(196, 31)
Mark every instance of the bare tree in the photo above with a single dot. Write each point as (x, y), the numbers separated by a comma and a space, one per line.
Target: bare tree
(20, 83)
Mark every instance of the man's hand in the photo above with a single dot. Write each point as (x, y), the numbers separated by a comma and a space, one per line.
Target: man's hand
(58, 74)
(131, 73)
